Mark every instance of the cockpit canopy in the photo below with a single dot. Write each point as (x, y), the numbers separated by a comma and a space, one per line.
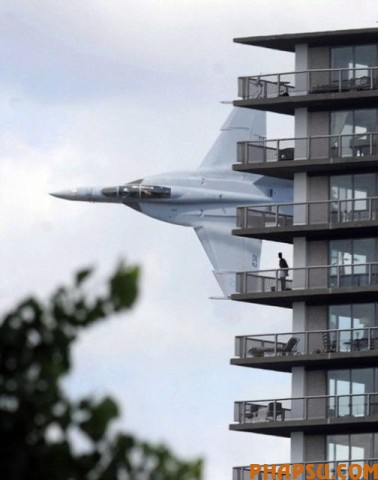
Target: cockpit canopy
(137, 191)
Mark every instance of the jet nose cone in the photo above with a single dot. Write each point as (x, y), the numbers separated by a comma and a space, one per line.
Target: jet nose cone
(79, 194)
(68, 194)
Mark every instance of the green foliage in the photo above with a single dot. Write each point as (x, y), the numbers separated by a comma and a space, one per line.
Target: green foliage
(38, 420)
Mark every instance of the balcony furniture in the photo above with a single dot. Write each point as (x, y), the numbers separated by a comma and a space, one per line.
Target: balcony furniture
(291, 346)
(325, 88)
(252, 412)
(275, 411)
(362, 83)
(328, 345)
(280, 348)
(357, 344)
(266, 347)
(286, 154)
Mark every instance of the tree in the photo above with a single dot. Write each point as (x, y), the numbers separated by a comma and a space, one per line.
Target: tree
(37, 419)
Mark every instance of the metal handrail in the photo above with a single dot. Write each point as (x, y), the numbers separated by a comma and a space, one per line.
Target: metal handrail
(300, 408)
(314, 81)
(309, 342)
(274, 215)
(329, 276)
(305, 148)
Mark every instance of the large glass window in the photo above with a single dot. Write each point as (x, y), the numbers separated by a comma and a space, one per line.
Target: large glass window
(354, 121)
(358, 57)
(356, 446)
(351, 132)
(348, 389)
(356, 326)
(359, 315)
(355, 262)
(350, 194)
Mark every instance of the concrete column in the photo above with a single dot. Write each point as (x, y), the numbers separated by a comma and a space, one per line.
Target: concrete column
(301, 67)
(297, 448)
(297, 390)
(301, 130)
(300, 197)
(299, 261)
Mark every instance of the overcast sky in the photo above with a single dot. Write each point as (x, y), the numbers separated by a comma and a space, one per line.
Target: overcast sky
(102, 92)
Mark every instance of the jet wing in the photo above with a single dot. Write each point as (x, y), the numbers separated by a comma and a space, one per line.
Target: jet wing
(242, 125)
(228, 254)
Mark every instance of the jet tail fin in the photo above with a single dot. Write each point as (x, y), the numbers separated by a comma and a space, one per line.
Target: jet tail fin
(243, 124)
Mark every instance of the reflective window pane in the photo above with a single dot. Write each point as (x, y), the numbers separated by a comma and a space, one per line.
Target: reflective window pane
(351, 132)
(361, 446)
(357, 446)
(365, 56)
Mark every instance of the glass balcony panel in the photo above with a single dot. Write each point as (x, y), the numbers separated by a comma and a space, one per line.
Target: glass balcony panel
(317, 277)
(306, 408)
(316, 342)
(301, 148)
(316, 407)
(359, 406)
(322, 81)
(271, 150)
(319, 147)
(257, 153)
(347, 340)
(333, 276)
(318, 212)
(301, 83)
(372, 406)
(307, 343)
(328, 212)
(373, 143)
(308, 81)
(326, 146)
(373, 277)
(286, 149)
(347, 149)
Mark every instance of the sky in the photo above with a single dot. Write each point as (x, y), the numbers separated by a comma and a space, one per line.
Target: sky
(103, 92)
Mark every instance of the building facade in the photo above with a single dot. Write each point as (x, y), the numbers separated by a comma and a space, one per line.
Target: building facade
(332, 289)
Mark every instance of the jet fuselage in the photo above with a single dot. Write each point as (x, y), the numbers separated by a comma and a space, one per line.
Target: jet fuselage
(184, 197)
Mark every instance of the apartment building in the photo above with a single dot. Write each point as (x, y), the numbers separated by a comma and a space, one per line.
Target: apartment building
(332, 288)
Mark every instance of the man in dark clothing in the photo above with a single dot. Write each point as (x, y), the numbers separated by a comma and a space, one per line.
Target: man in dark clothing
(283, 271)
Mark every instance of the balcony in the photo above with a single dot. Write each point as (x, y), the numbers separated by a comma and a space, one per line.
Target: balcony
(321, 414)
(315, 220)
(318, 469)
(321, 88)
(324, 284)
(316, 155)
(312, 349)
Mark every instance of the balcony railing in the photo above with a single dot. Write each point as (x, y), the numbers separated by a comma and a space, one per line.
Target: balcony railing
(306, 408)
(307, 148)
(308, 278)
(328, 213)
(306, 343)
(328, 80)
(318, 469)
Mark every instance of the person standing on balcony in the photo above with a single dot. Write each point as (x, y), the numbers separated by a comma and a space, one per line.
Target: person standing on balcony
(283, 272)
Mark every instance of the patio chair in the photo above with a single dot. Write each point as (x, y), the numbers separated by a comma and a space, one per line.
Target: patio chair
(328, 345)
(252, 412)
(268, 349)
(275, 411)
(290, 348)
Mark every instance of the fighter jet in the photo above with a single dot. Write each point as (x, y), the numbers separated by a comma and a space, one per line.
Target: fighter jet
(205, 199)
